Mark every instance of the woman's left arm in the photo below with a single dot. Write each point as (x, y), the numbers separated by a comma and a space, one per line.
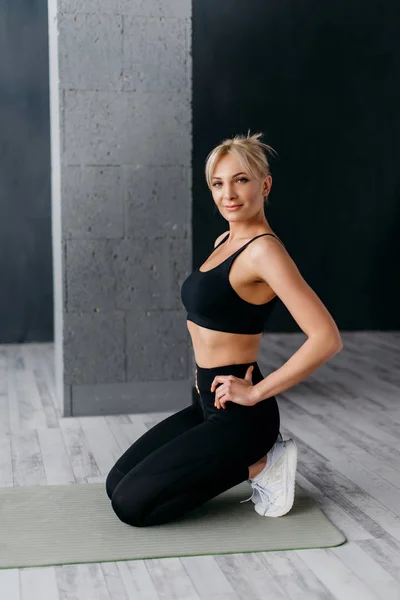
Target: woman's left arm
(272, 263)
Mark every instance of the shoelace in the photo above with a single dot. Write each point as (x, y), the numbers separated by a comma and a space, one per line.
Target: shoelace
(265, 497)
(261, 490)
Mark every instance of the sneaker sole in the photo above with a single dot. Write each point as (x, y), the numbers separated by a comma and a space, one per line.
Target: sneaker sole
(290, 481)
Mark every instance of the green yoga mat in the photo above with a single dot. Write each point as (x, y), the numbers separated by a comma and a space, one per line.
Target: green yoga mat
(69, 524)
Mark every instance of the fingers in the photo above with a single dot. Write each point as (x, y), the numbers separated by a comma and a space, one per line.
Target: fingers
(218, 383)
(218, 402)
(221, 379)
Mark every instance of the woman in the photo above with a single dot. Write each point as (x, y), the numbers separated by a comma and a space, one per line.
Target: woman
(231, 432)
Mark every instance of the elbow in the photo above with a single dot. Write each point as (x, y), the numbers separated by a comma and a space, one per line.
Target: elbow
(332, 342)
(339, 341)
(339, 347)
(337, 344)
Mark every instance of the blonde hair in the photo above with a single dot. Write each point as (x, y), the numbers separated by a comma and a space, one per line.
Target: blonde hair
(247, 149)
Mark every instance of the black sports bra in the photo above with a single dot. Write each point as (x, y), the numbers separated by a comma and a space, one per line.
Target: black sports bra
(211, 301)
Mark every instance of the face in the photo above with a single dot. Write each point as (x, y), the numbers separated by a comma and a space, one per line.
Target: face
(232, 185)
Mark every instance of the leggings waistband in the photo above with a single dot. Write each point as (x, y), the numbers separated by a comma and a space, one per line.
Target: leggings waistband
(206, 375)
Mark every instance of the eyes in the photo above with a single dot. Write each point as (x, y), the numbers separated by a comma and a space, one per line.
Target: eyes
(240, 179)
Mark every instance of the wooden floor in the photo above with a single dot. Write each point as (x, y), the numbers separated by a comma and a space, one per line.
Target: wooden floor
(345, 420)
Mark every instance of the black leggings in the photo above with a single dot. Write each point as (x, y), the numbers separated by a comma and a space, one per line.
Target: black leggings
(192, 455)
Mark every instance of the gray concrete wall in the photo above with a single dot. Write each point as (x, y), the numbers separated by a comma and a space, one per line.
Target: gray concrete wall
(120, 74)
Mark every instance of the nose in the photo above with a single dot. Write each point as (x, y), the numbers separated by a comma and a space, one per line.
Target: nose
(229, 191)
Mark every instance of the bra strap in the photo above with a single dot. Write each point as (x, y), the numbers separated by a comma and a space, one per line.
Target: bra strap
(257, 236)
(254, 238)
(221, 242)
(232, 256)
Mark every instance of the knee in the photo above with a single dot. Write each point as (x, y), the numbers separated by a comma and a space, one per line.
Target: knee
(112, 480)
(109, 487)
(127, 512)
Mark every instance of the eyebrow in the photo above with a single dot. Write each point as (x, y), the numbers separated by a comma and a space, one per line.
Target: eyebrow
(240, 173)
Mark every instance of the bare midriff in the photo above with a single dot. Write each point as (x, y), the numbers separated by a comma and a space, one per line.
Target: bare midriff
(214, 348)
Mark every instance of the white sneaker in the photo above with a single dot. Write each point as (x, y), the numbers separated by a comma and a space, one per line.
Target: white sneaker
(274, 486)
(271, 455)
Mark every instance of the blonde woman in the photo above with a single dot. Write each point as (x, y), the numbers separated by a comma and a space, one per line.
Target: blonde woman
(231, 433)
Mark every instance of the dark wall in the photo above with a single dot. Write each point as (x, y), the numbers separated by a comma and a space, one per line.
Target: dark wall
(322, 81)
(26, 290)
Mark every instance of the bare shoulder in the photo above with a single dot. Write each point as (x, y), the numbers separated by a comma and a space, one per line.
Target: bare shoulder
(263, 247)
(268, 252)
(269, 241)
(220, 238)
